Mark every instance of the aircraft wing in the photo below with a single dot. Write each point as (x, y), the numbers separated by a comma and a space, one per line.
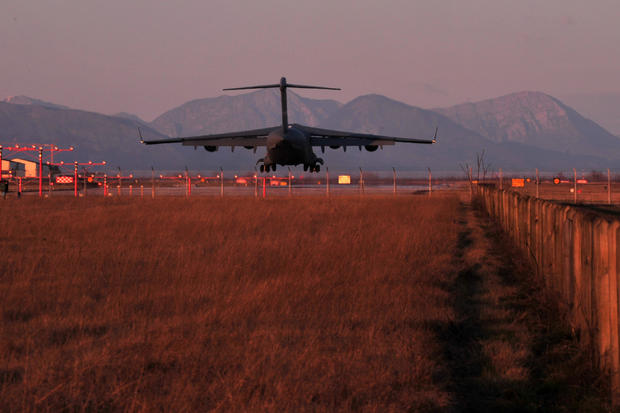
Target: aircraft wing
(254, 137)
(328, 137)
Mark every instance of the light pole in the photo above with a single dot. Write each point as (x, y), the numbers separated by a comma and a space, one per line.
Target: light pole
(575, 188)
(394, 178)
(430, 181)
(289, 182)
(40, 171)
(221, 182)
(255, 183)
(327, 179)
(187, 188)
(361, 181)
(75, 179)
(500, 179)
(608, 187)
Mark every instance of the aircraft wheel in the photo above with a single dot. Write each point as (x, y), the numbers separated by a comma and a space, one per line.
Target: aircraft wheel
(262, 168)
(273, 167)
(317, 168)
(305, 168)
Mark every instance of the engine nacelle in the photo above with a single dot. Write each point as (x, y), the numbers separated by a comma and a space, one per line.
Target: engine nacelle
(248, 147)
(334, 146)
(371, 148)
(210, 148)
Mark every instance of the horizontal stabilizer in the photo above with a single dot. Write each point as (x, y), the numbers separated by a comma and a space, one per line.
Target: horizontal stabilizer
(253, 87)
(282, 85)
(312, 87)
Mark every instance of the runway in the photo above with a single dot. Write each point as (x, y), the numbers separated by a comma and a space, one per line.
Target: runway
(148, 191)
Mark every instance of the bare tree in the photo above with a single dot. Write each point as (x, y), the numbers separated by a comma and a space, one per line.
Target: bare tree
(482, 166)
(468, 174)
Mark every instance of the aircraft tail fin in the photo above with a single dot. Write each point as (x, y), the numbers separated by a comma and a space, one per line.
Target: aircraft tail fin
(283, 85)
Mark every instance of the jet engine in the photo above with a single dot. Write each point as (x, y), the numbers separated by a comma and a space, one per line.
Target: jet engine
(210, 148)
(371, 148)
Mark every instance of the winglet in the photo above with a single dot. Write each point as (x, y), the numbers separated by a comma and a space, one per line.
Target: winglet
(435, 136)
(140, 135)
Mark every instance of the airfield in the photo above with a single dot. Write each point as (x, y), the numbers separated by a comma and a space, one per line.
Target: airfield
(358, 301)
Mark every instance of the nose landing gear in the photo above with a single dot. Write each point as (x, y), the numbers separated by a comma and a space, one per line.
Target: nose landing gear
(265, 167)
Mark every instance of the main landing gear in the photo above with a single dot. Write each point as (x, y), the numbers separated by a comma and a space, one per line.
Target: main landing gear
(316, 167)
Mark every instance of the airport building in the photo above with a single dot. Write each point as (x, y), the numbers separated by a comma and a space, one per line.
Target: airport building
(30, 168)
(11, 168)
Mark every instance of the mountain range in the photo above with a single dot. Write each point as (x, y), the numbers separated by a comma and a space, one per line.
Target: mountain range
(517, 132)
(538, 120)
(602, 108)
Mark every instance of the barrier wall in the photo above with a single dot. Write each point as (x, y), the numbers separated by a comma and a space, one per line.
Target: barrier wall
(576, 252)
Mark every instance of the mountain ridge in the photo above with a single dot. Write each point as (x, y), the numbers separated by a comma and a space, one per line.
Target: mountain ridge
(236, 112)
(536, 119)
(464, 130)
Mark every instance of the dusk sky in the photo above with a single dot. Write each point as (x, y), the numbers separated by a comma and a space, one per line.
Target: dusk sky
(146, 56)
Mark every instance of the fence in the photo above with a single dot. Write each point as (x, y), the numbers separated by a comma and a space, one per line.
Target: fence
(576, 251)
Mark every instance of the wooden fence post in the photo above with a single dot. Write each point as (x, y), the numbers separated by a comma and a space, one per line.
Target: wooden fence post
(614, 345)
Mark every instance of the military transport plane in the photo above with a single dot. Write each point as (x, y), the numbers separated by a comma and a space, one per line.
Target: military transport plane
(289, 144)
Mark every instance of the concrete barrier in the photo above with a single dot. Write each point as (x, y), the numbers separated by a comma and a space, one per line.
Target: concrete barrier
(576, 253)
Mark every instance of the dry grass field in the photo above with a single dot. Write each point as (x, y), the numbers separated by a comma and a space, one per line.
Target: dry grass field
(231, 304)
(237, 304)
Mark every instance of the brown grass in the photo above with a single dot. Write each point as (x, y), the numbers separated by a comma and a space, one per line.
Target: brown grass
(234, 304)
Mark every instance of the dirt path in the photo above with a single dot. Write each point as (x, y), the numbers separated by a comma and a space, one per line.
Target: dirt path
(507, 349)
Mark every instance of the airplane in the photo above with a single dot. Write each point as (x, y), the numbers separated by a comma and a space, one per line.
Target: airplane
(288, 144)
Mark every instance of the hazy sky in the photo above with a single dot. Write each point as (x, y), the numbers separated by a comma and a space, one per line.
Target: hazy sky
(147, 56)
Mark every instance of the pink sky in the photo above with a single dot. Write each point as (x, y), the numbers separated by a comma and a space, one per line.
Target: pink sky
(146, 56)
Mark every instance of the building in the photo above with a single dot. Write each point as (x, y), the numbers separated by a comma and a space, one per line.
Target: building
(30, 168)
(12, 169)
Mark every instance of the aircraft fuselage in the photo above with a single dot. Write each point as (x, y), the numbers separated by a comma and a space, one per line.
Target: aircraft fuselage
(290, 147)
